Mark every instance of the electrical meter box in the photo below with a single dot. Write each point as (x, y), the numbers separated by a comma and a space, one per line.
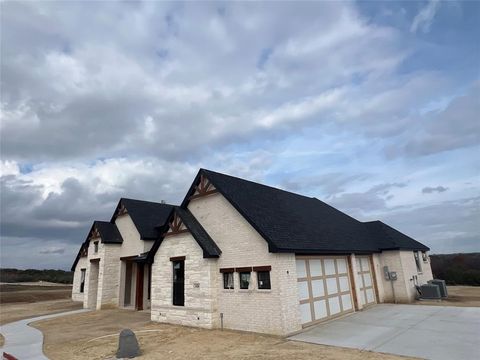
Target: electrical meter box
(386, 273)
(393, 275)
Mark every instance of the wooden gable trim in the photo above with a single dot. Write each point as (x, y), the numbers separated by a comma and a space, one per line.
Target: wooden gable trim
(122, 210)
(176, 226)
(203, 188)
(94, 234)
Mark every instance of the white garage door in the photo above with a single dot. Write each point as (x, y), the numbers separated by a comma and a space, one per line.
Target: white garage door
(365, 281)
(323, 288)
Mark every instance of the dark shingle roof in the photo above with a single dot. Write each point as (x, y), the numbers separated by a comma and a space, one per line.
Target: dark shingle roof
(389, 238)
(108, 232)
(146, 216)
(209, 247)
(294, 223)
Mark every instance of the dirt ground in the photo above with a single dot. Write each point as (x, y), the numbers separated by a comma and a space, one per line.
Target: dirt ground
(95, 336)
(24, 301)
(457, 296)
(34, 292)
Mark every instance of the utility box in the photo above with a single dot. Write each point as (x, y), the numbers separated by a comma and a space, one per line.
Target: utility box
(441, 284)
(430, 291)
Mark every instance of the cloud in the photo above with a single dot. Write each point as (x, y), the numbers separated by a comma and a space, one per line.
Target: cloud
(283, 94)
(53, 251)
(429, 189)
(424, 19)
(452, 128)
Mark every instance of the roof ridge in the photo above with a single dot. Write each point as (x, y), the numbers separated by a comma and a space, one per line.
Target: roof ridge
(260, 184)
(146, 201)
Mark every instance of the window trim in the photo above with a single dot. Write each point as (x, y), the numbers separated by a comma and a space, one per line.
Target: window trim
(228, 273)
(418, 263)
(83, 275)
(240, 279)
(269, 280)
(95, 247)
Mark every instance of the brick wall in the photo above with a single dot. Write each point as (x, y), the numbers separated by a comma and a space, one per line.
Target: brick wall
(81, 264)
(403, 262)
(200, 284)
(272, 311)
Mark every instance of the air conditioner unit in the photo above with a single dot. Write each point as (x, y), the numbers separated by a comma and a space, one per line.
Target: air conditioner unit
(441, 284)
(430, 291)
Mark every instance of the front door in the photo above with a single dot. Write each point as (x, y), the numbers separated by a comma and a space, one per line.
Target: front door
(139, 293)
(178, 282)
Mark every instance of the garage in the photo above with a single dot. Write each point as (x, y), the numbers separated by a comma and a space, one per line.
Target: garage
(365, 282)
(324, 289)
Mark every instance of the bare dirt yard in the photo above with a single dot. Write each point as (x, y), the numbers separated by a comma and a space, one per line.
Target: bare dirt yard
(28, 300)
(95, 336)
(457, 296)
(33, 292)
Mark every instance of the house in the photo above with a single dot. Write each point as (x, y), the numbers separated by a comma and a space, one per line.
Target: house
(244, 256)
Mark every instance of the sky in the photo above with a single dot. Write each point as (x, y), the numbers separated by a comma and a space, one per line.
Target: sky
(371, 107)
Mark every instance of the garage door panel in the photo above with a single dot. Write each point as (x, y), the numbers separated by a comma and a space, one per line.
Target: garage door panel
(365, 280)
(344, 286)
(315, 268)
(347, 302)
(318, 288)
(332, 286)
(334, 305)
(329, 266)
(320, 308)
(303, 290)
(305, 313)
(323, 287)
(341, 266)
(301, 269)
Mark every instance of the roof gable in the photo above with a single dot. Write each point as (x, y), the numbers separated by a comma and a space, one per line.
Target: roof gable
(182, 220)
(146, 215)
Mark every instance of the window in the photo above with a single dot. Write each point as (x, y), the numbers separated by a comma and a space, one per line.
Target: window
(82, 280)
(95, 247)
(424, 256)
(263, 278)
(178, 281)
(244, 279)
(417, 261)
(228, 280)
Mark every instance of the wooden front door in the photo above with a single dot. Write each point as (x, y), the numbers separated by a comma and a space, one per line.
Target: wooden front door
(139, 292)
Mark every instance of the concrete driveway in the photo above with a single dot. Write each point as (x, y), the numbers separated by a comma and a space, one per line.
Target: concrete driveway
(431, 332)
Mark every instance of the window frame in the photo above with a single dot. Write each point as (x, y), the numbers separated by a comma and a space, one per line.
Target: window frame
(83, 274)
(226, 275)
(418, 263)
(95, 247)
(424, 256)
(262, 286)
(249, 281)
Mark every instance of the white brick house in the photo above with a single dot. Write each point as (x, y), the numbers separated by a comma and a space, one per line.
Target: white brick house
(250, 257)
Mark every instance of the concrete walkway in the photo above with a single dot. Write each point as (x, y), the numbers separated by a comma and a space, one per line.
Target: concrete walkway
(429, 332)
(25, 342)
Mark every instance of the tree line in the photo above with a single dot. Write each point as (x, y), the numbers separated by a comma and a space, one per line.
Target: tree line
(33, 275)
(457, 269)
